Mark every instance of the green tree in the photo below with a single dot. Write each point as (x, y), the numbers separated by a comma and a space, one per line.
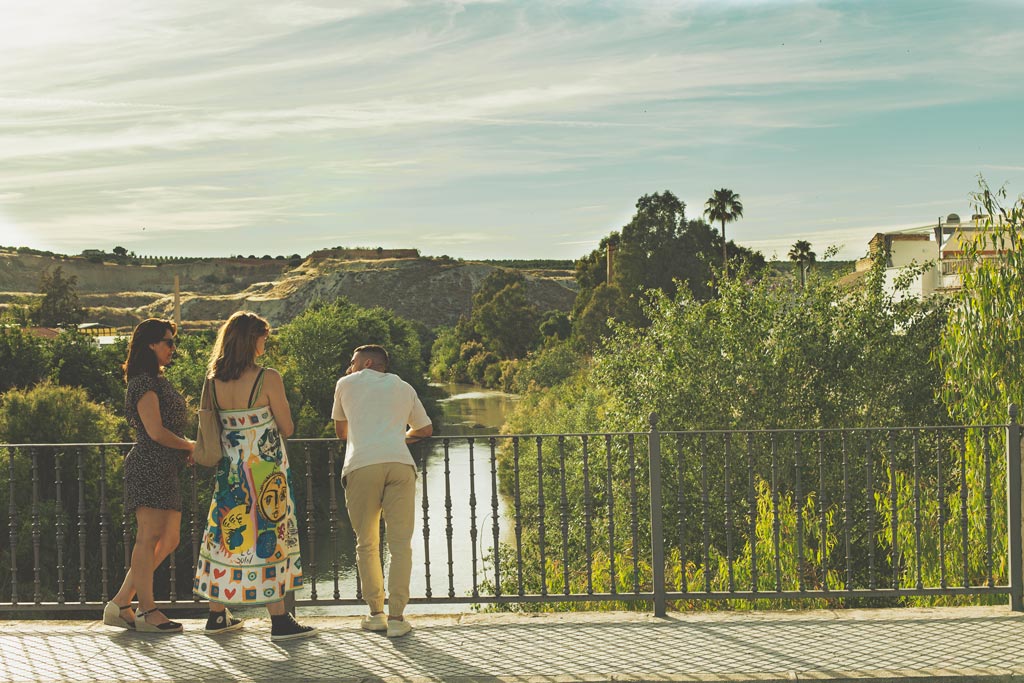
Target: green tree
(555, 325)
(818, 357)
(484, 363)
(801, 254)
(724, 206)
(980, 354)
(470, 349)
(591, 270)
(120, 251)
(759, 356)
(48, 413)
(650, 251)
(503, 317)
(444, 356)
(547, 367)
(59, 304)
(659, 249)
(592, 323)
(983, 343)
(24, 358)
(495, 281)
(78, 361)
(315, 348)
(19, 312)
(502, 326)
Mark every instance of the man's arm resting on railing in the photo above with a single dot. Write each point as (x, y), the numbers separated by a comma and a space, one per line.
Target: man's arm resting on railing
(414, 435)
(411, 436)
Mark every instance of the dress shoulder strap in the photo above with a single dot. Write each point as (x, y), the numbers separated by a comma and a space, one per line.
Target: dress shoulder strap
(256, 387)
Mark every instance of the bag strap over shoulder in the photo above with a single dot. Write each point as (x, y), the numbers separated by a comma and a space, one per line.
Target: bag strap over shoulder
(214, 404)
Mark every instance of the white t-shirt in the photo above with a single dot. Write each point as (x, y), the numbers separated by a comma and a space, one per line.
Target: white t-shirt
(377, 407)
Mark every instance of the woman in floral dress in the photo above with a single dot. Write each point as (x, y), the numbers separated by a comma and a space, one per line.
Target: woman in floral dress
(158, 415)
(250, 550)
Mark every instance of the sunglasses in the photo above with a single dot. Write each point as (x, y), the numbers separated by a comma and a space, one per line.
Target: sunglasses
(171, 343)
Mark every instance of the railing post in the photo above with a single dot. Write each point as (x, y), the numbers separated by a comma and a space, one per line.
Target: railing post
(1013, 501)
(657, 533)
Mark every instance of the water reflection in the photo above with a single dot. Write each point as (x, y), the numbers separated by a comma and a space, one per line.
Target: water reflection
(468, 411)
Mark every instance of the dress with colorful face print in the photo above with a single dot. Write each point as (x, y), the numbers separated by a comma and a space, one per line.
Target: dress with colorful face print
(250, 549)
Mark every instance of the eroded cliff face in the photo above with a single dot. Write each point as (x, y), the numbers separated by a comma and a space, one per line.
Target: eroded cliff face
(432, 291)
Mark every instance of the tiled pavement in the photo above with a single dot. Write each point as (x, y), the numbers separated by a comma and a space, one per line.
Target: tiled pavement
(936, 644)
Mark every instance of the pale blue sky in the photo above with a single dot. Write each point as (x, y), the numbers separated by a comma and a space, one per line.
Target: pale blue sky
(495, 129)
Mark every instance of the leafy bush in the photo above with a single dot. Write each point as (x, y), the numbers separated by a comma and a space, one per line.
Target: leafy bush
(77, 361)
(762, 355)
(49, 413)
(24, 358)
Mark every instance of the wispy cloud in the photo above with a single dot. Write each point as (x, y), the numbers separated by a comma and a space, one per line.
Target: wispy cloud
(119, 113)
(463, 238)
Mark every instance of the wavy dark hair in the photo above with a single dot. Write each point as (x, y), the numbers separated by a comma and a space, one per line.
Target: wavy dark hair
(235, 349)
(141, 359)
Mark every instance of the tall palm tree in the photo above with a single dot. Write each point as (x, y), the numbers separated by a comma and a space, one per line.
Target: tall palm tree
(801, 253)
(724, 206)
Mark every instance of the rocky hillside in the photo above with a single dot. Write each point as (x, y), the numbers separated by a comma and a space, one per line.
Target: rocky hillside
(21, 272)
(432, 291)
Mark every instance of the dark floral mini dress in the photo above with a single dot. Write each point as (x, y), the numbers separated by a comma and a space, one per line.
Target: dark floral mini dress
(151, 470)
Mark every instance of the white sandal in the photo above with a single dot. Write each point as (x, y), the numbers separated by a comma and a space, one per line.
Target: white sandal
(112, 616)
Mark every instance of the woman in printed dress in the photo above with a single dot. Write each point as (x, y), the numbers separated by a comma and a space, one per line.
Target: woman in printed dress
(158, 414)
(250, 550)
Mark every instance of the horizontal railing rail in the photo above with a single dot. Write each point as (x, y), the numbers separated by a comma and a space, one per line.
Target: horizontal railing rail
(653, 519)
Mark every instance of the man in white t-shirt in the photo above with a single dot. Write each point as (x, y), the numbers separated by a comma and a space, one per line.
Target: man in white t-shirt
(377, 415)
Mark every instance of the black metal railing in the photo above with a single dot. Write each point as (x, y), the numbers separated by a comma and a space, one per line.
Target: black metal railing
(826, 516)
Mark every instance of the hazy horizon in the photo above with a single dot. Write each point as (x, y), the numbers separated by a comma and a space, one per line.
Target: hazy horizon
(780, 258)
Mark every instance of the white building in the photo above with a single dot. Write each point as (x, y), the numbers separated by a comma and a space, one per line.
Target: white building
(939, 249)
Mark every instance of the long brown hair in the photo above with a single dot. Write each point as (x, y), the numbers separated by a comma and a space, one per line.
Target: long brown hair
(141, 359)
(235, 349)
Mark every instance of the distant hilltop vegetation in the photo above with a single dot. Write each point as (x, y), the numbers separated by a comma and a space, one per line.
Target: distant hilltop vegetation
(363, 253)
(120, 288)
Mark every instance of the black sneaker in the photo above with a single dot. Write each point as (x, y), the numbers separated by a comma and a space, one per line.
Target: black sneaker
(222, 622)
(285, 627)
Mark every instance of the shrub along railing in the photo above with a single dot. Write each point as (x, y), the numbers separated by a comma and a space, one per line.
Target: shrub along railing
(910, 515)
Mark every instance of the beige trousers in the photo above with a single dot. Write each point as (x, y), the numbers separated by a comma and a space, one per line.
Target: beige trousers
(388, 488)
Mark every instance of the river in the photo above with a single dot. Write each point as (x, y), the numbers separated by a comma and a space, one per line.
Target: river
(468, 410)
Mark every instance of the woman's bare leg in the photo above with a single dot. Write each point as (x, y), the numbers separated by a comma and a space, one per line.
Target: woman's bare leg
(164, 546)
(156, 529)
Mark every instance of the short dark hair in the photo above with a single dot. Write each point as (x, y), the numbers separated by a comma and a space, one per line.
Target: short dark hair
(141, 359)
(378, 352)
